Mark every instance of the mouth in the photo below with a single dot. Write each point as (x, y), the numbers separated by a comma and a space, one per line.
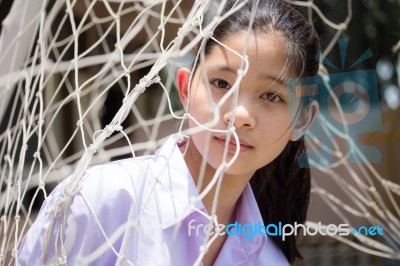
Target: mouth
(232, 145)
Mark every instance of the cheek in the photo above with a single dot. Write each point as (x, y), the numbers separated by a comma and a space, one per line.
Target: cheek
(276, 125)
(274, 138)
(200, 106)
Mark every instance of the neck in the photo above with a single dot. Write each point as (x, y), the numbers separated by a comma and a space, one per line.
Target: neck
(226, 193)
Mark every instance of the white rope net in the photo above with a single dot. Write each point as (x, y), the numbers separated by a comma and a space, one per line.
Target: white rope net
(60, 61)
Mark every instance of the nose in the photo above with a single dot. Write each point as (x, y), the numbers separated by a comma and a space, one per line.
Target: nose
(243, 118)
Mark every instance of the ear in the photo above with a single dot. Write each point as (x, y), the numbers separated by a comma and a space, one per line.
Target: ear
(182, 78)
(305, 121)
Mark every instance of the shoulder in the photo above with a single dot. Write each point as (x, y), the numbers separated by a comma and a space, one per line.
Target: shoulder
(117, 172)
(114, 180)
(102, 185)
(126, 180)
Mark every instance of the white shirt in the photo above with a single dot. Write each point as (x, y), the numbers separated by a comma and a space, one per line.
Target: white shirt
(151, 193)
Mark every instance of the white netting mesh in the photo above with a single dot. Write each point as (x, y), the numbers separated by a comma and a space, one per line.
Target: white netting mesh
(62, 61)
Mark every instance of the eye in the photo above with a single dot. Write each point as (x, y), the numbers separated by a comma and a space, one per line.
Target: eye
(273, 97)
(220, 83)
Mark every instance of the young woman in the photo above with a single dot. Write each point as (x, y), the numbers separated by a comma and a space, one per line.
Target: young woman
(143, 211)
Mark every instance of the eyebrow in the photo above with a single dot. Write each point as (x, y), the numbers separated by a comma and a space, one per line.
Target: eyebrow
(223, 68)
(280, 80)
(233, 71)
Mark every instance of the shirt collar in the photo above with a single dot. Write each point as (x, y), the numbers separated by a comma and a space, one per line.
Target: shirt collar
(177, 190)
(249, 213)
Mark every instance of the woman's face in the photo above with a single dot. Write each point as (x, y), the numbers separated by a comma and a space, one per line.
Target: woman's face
(261, 118)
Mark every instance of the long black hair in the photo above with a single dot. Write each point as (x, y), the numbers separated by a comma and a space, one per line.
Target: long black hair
(281, 188)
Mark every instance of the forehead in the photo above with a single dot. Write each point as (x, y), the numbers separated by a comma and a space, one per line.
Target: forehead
(265, 52)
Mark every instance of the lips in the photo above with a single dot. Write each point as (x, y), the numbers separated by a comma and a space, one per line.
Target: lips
(244, 146)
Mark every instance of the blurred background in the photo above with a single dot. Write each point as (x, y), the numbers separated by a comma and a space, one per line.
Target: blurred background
(374, 25)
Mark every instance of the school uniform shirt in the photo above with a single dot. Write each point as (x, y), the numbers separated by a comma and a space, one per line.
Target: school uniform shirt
(126, 213)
